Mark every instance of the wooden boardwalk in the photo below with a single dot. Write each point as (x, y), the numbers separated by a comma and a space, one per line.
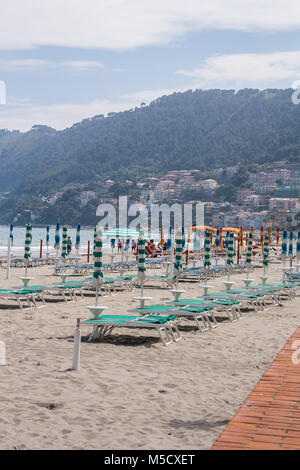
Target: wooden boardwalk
(270, 416)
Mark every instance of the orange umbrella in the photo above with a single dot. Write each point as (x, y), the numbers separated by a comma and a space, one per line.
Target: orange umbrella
(277, 236)
(231, 229)
(203, 227)
(261, 235)
(242, 236)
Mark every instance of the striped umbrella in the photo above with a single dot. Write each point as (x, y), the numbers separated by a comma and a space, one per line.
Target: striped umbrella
(230, 249)
(227, 239)
(183, 237)
(64, 242)
(284, 244)
(291, 245)
(217, 241)
(178, 256)
(77, 243)
(207, 248)
(95, 236)
(169, 240)
(249, 249)
(98, 277)
(141, 260)
(266, 252)
(57, 237)
(11, 235)
(27, 254)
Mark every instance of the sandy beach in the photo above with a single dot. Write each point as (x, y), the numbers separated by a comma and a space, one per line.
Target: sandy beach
(131, 391)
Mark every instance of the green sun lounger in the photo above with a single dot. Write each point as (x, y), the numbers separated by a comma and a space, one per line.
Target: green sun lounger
(203, 316)
(166, 327)
(231, 307)
(31, 296)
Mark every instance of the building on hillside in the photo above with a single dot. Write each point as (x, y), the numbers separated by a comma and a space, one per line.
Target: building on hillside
(86, 196)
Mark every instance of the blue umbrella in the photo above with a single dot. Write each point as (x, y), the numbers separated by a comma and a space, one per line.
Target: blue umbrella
(291, 244)
(77, 243)
(11, 235)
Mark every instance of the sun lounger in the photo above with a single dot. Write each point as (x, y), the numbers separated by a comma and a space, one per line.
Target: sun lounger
(231, 307)
(29, 295)
(199, 314)
(166, 327)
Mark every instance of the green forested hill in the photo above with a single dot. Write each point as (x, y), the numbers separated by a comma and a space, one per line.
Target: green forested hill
(191, 130)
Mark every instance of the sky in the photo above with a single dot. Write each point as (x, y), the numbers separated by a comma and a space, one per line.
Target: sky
(61, 62)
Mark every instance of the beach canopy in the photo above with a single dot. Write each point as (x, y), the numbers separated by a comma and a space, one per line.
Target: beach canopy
(284, 244)
(77, 243)
(249, 248)
(230, 249)
(207, 248)
(11, 235)
(57, 237)
(178, 254)
(28, 238)
(64, 241)
(203, 227)
(141, 256)
(98, 273)
(266, 250)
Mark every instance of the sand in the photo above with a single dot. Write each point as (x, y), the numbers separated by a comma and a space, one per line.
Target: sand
(131, 392)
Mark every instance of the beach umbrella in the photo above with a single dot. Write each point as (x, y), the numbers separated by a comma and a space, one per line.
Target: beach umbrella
(178, 256)
(241, 236)
(227, 239)
(11, 235)
(98, 277)
(230, 252)
(221, 237)
(284, 244)
(141, 260)
(298, 250)
(27, 254)
(277, 235)
(77, 242)
(291, 246)
(217, 242)
(47, 239)
(266, 252)
(169, 240)
(95, 236)
(207, 249)
(261, 235)
(57, 237)
(270, 236)
(64, 242)
(249, 252)
(183, 238)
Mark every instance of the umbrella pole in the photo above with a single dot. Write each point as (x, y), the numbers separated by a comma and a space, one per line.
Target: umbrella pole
(97, 296)
(8, 258)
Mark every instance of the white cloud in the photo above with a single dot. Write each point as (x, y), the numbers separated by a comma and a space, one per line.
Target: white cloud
(240, 70)
(84, 64)
(124, 24)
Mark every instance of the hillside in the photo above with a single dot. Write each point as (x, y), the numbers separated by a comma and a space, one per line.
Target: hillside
(191, 130)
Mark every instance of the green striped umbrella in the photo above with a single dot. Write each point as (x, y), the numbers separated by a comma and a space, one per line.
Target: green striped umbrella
(230, 249)
(207, 248)
(141, 260)
(266, 252)
(249, 249)
(27, 254)
(178, 256)
(141, 256)
(95, 236)
(98, 277)
(64, 242)
(77, 243)
(28, 239)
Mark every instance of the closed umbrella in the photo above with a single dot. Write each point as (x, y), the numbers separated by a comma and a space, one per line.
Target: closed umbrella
(217, 242)
(64, 252)
(266, 252)
(47, 239)
(178, 256)
(98, 277)
(141, 260)
(57, 241)
(284, 247)
(207, 250)
(230, 252)
(27, 254)
(291, 247)
(298, 251)
(249, 252)
(11, 235)
(77, 242)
